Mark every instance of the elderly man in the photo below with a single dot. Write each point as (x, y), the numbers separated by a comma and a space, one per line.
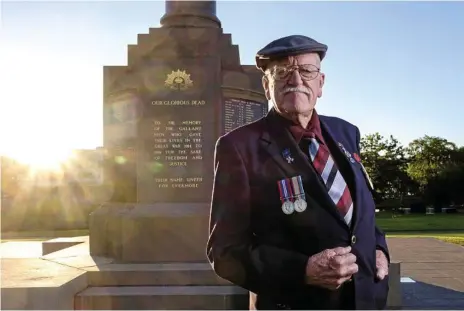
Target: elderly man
(292, 213)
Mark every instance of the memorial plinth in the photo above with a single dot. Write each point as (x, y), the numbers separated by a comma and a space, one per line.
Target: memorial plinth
(182, 88)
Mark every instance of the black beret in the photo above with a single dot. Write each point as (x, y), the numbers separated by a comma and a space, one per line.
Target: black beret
(288, 46)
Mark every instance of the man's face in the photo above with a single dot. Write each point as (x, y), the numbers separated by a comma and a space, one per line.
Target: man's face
(294, 83)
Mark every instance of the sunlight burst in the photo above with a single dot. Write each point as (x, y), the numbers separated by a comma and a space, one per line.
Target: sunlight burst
(46, 115)
(45, 159)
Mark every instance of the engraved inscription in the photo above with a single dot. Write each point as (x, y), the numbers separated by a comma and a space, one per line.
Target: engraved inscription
(178, 103)
(178, 144)
(179, 182)
(239, 112)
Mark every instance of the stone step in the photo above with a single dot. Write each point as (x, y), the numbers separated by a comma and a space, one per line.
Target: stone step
(178, 274)
(162, 298)
(55, 245)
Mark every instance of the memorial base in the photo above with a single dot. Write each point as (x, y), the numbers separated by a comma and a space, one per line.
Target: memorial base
(150, 233)
(158, 254)
(159, 287)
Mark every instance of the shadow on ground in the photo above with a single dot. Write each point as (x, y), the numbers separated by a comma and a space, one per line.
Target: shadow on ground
(424, 296)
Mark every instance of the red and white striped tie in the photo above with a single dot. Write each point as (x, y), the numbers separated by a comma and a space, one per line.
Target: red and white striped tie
(333, 179)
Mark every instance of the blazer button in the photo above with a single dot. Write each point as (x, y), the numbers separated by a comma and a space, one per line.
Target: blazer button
(282, 306)
(353, 239)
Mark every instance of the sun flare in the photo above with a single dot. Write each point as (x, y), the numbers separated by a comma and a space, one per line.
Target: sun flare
(50, 159)
(47, 108)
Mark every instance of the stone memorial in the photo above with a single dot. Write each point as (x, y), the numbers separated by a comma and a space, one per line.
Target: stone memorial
(182, 88)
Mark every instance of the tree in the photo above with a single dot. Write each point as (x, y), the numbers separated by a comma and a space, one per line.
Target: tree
(385, 161)
(437, 165)
(447, 187)
(428, 157)
(458, 156)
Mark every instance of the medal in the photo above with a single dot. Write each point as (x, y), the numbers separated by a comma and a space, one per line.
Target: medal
(300, 205)
(286, 196)
(292, 189)
(288, 207)
(300, 202)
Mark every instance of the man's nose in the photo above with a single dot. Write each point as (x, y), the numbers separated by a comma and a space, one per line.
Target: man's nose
(295, 78)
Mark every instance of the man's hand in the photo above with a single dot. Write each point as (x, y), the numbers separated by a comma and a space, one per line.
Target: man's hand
(331, 268)
(381, 263)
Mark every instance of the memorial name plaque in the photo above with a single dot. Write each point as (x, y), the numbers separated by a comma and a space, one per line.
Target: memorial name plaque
(177, 140)
(239, 112)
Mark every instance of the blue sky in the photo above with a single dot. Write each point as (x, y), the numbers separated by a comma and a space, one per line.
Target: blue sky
(392, 67)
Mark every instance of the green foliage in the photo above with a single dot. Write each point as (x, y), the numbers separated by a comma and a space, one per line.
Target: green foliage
(446, 186)
(429, 167)
(428, 157)
(385, 161)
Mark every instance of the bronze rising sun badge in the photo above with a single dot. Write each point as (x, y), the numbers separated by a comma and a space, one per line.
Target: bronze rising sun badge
(178, 80)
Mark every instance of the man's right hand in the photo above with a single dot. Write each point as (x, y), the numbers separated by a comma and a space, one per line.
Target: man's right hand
(331, 268)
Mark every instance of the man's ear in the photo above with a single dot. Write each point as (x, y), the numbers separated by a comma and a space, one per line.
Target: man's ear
(321, 84)
(265, 82)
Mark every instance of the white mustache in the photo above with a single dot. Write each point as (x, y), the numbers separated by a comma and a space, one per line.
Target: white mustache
(299, 89)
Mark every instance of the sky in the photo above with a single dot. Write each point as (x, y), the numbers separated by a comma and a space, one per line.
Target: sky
(396, 68)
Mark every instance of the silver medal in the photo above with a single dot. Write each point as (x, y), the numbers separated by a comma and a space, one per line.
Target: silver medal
(288, 207)
(300, 205)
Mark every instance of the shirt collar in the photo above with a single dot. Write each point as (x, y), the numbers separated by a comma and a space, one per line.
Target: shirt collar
(312, 130)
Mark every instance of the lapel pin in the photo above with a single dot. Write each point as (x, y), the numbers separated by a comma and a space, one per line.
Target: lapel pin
(287, 156)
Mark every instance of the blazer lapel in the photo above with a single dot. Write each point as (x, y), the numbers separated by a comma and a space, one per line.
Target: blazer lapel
(339, 156)
(278, 142)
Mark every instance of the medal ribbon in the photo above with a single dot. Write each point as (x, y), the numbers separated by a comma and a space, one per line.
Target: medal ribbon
(283, 190)
(289, 188)
(298, 187)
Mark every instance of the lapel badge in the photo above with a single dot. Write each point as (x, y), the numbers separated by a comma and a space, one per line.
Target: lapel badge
(292, 195)
(356, 157)
(287, 156)
(347, 154)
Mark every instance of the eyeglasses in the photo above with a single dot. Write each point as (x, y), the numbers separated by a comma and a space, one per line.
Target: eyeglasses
(307, 72)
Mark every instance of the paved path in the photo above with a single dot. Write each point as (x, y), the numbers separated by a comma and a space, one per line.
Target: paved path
(436, 269)
(432, 270)
(21, 249)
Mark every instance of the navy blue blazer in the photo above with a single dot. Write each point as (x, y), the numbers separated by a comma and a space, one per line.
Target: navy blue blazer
(253, 244)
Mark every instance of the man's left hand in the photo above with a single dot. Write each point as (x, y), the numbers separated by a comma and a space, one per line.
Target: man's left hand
(381, 263)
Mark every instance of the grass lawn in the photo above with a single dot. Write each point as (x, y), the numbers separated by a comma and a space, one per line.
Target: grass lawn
(390, 223)
(445, 227)
(450, 237)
